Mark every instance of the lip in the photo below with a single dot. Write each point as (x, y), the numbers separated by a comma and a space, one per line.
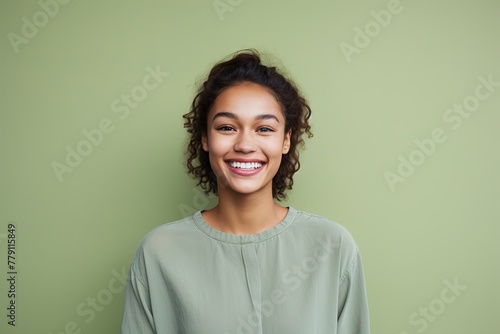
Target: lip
(242, 172)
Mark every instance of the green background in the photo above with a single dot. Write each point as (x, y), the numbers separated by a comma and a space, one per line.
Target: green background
(76, 235)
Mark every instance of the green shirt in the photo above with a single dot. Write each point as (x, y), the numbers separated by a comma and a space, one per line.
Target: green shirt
(301, 276)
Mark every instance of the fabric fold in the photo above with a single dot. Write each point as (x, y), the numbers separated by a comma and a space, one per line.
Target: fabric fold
(254, 280)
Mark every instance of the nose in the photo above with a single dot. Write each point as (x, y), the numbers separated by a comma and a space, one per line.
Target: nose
(245, 143)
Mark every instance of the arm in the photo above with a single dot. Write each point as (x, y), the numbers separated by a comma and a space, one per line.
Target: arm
(353, 316)
(137, 315)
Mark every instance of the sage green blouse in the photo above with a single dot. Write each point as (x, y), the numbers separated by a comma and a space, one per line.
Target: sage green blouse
(302, 276)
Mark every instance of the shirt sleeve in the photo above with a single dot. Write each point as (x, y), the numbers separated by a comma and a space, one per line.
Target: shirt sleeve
(137, 314)
(353, 316)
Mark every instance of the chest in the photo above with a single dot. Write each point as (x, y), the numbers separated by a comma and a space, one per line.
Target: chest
(252, 291)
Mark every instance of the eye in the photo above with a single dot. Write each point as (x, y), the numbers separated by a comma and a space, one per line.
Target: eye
(225, 128)
(265, 129)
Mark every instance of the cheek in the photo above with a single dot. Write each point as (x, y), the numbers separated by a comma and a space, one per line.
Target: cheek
(274, 147)
(217, 148)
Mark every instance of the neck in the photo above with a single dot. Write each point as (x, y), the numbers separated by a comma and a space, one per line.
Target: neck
(245, 214)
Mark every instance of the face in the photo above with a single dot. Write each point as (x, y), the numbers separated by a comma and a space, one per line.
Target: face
(245, 139)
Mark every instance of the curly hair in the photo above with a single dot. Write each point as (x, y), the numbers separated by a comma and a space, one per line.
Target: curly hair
(246, 66)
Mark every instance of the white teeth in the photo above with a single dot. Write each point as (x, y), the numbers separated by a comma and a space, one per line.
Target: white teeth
(245, 165)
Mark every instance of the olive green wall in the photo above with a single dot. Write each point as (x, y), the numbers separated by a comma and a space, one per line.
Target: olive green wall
(405, 98)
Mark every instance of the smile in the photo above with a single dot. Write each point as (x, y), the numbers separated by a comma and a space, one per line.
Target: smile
(245, 165)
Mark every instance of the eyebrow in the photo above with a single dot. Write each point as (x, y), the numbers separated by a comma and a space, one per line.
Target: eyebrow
(234, 116)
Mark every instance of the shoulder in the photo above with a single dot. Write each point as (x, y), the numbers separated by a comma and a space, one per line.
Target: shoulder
(328, 234)
(323, 226)
(173, 228)
(169, 238)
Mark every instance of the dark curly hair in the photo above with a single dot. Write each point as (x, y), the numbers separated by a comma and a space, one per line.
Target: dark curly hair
(246, 66)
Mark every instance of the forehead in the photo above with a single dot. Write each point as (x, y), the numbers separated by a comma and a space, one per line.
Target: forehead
(247, 99)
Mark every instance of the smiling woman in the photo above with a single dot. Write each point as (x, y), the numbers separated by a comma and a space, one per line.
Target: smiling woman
(249, 264)
(248, 140)
(247, 68)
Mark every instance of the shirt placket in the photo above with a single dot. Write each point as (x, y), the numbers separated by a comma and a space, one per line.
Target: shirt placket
(254, 283)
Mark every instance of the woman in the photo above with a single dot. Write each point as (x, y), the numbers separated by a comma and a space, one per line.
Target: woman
(248, 265)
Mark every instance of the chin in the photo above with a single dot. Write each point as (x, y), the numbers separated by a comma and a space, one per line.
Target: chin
(249, 190)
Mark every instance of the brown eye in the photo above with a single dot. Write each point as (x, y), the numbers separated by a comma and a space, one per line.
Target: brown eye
(225, 128)
(265, 129)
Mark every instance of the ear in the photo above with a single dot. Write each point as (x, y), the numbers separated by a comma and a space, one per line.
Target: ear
(204, 142)
(286, 142)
